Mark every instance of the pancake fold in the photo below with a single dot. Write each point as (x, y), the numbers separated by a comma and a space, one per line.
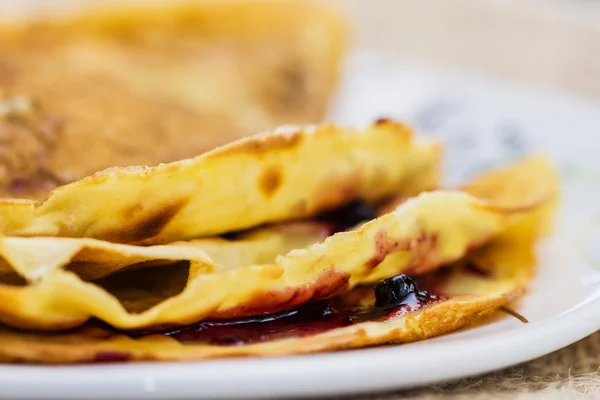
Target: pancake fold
(473, 298)
(143, 83)
(423, 233)
(100, 268)
(289, 174)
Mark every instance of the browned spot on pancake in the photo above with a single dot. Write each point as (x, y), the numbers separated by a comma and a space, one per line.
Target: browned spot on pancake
(327, 285)
(270, 180)
(386, 123)
(284, 138)
(383, 121)
(144, 226)
(392, 124)
(12, 279)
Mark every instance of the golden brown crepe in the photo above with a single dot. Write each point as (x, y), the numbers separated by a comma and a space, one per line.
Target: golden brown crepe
(143, 84)
(290, 173)
(91, 259)
(422, 234)
(471, 297)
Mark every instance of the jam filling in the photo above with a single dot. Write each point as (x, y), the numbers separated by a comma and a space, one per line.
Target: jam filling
(339, 219)
(394, 297)
(349, 215)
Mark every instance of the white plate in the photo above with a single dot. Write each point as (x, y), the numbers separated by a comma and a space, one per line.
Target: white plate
(484, 122)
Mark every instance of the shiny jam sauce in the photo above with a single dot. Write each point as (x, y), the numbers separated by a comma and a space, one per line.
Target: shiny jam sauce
(393, 297)
(389, 298)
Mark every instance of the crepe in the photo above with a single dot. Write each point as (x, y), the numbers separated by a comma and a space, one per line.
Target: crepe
(288, 174)
(469, 297)
(91, 259)
(423, 233)
(141, 84)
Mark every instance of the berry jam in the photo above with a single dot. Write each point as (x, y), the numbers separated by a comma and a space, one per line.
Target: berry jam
(349, 215)
(339, 219)
(394, 297)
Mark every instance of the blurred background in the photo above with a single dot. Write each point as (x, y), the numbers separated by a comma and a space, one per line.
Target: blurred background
(548, 42)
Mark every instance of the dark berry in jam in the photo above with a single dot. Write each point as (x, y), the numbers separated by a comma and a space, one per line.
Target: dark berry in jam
(396, 295)
(349, 215)
(391, 291)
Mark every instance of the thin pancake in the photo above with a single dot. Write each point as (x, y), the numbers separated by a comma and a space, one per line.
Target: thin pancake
(147, 83)
(291, 173)
(91, 259)
(420, 235)
(511, 258)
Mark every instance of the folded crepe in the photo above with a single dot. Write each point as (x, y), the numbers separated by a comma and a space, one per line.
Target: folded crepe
(420, 235)
(345, 247)
(141, 84)
(467, 291)
(290, 173)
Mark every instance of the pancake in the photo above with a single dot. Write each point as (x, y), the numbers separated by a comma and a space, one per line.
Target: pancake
(464, 298)
(91, 259)
(421, 235)
(287, 174)
(142, 84)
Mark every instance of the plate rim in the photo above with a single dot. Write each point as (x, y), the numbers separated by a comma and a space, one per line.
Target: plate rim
(160, 380)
